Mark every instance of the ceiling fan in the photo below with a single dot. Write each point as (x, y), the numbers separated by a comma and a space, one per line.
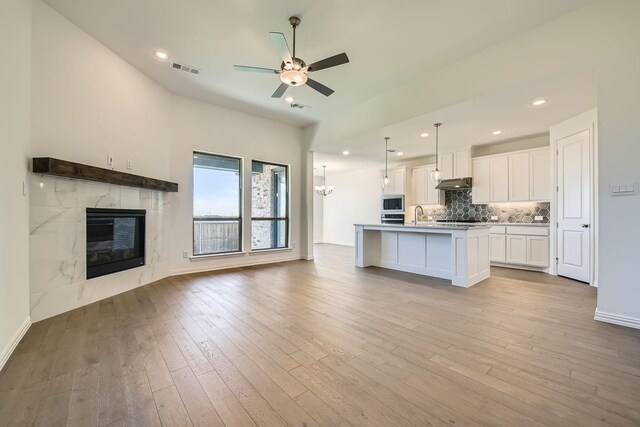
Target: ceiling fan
(293, 71)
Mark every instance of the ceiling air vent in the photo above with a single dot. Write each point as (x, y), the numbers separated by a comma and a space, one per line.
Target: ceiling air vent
(186, 68)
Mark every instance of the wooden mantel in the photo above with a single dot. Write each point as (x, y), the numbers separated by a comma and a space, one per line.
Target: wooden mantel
(66, 169)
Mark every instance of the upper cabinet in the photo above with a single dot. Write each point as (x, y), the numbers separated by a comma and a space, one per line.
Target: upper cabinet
(455, 165)
(423, 190)
(521, 176)
(396, 181)
(540, 184)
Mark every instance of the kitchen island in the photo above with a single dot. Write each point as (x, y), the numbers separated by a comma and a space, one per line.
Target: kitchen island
(459, 253)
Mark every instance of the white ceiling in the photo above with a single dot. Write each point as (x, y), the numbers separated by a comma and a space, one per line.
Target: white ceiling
(471, 123)
(389, 43)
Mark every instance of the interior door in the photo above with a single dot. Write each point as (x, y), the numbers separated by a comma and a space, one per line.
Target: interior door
(574, 205)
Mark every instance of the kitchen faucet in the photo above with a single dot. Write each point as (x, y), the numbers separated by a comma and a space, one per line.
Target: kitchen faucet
(415, 214)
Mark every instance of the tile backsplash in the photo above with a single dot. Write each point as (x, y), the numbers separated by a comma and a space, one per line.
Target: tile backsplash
(458, 206)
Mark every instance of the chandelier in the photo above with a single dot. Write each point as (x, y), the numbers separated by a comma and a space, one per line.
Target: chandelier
(323, 189)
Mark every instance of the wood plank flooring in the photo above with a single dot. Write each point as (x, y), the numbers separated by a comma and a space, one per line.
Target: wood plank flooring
(325, 344)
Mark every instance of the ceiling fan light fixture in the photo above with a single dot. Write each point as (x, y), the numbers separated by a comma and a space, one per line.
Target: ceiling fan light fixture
(293, 77)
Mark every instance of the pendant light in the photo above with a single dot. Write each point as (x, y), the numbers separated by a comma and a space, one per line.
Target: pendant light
(323, 190)
(385, 180)
(436, 175)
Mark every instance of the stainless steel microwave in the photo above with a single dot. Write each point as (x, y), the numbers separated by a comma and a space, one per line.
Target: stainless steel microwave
(392, 203)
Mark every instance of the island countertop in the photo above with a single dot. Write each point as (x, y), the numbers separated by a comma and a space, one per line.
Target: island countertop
(427, 226)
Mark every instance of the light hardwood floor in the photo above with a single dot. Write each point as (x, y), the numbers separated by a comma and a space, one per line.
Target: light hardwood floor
(324, 343)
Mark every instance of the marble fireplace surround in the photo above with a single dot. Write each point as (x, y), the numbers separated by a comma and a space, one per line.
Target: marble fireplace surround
(57, 227)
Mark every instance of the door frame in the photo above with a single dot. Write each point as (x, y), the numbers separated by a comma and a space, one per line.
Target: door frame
(585, 121)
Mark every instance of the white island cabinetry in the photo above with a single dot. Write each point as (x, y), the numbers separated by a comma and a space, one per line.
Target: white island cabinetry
(457, 253)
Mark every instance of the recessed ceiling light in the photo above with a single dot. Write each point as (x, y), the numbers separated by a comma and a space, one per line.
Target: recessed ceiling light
(539, 102)
(399, 153)
(497, 132)
(345, 152)
(424, 134)
(289, 99)
(161, 55)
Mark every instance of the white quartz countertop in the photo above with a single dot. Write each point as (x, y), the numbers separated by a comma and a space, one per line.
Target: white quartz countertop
(517, 224)
(430, 226)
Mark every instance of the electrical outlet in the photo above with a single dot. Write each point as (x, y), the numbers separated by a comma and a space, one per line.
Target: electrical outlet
(429, 218)
(185, 254)
(129, 164)
(537, 218)
(494, 217)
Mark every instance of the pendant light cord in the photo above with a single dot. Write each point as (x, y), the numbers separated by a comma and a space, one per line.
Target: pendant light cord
(386, 157)
(437, 126)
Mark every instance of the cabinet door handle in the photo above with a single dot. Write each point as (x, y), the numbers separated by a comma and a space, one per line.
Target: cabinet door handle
(585, 225)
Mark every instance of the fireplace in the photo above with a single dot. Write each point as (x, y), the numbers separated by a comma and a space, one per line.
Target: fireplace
(115, 240)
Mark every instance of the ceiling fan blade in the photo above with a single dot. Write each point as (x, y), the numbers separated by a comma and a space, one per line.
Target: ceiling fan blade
(280, 91)
(332, 61)
(319, 87)
(256, 69)
(283, 47)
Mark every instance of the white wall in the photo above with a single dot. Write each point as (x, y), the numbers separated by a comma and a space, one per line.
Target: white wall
(15, 34)
(318, 209)
(618, 154)
(204, 127)
(88, 102)
(356, 199)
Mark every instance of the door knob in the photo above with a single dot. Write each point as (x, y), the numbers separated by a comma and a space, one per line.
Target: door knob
(585, 225)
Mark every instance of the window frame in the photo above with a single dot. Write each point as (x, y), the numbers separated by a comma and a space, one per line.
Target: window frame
(241, 205)
(286, 218)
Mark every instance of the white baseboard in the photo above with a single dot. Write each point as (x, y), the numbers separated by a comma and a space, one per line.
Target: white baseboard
(210, 267)
(6, 352)
(616, 319)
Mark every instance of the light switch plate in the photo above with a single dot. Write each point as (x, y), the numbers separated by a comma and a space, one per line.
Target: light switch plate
(624, 190)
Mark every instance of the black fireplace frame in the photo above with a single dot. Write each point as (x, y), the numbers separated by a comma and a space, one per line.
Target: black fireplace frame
(121, 265)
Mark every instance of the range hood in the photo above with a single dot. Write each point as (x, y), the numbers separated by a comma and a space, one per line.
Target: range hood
(454, 184)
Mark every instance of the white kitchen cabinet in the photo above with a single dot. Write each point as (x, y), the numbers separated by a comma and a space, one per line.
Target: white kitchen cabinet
(481, 183)
(516, 249)
(418, 193)
(461, 164)
(396, 181)
(519, 177)
(497, 248)
(446, 165)
(540, 184)
(537, 251)
(500, 179)
(521, 245)
(455, 165)
(423, 190)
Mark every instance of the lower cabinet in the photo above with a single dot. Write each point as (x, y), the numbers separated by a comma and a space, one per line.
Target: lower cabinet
(497, 248)
(520, 246)
(517, 249)
(538, 251)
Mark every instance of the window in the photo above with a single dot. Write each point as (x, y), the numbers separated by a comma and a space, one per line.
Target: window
(269, 206)
(217, 201)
